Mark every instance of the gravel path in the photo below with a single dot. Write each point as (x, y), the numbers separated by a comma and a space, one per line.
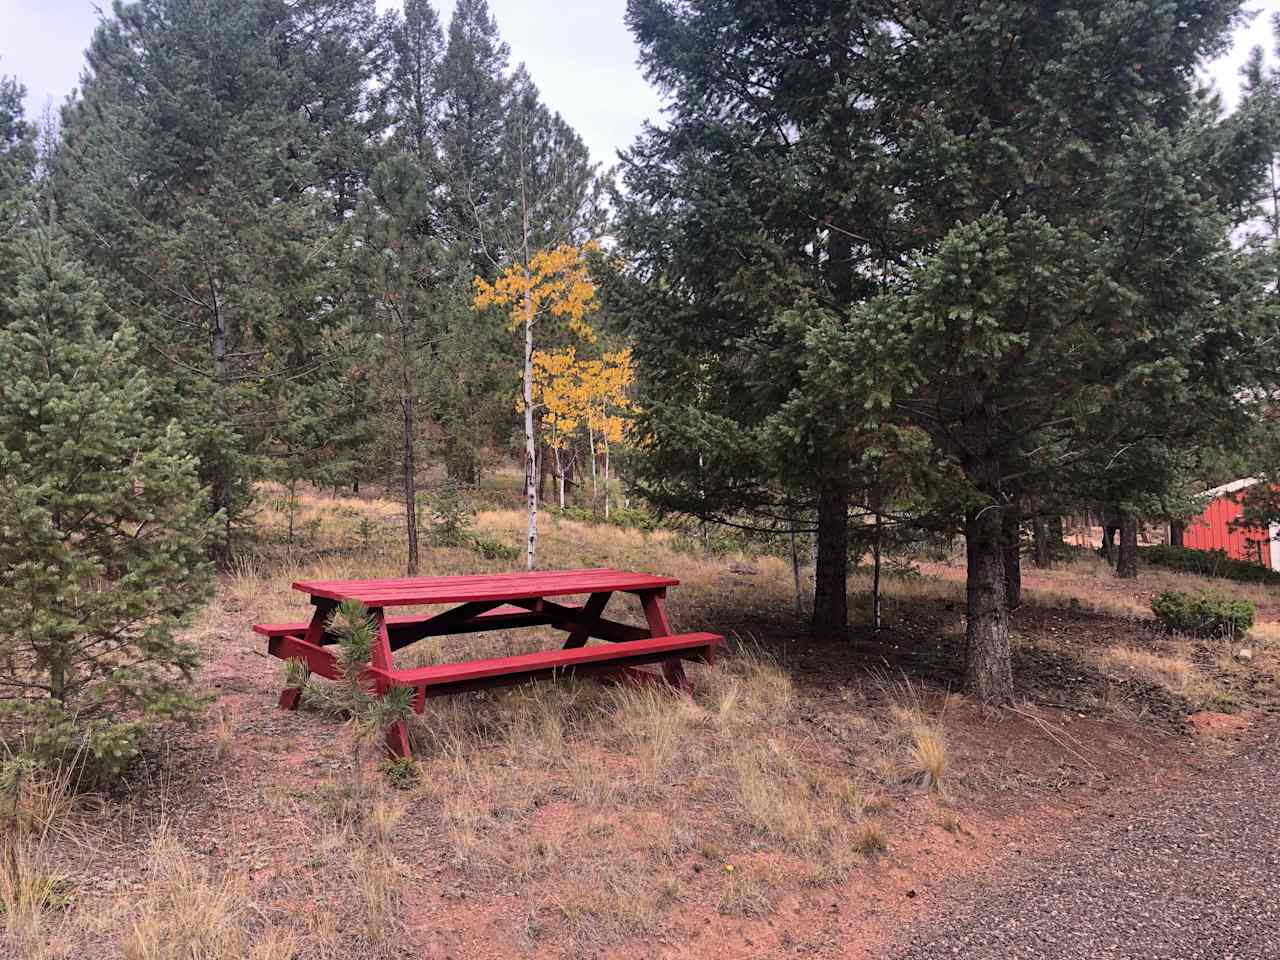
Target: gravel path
(1191, 874)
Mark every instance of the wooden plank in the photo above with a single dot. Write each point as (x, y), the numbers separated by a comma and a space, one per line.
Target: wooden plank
(503, 617)
(697, 646)
(590, 614)
(601, 629)
(660, 626)
(618, 663)
(496, 587)
(318, 660)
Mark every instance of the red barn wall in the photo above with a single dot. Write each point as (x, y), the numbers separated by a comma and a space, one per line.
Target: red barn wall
(1213, 530)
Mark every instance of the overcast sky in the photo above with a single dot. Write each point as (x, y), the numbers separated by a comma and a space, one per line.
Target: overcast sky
(578, 51)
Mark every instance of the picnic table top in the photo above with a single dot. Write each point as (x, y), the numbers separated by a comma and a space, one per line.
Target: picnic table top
(481, 587)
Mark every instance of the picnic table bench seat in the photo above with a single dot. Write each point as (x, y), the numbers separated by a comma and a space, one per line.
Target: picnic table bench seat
(493, 602)
(608, 658)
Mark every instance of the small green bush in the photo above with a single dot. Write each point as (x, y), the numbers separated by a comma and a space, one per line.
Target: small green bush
(1207, 563)
(450, 510)
(636, 518)
(402, 772)
(1205, 615)
(493, 550)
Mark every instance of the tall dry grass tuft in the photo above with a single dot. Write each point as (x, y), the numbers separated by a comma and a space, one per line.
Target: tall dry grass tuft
(32, 892)
(656, 726)
(914, 741)
(35, 808)
(929, 752)
(183, 913)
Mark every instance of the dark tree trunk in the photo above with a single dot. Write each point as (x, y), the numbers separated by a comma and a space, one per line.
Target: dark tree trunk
(410, 486)
(988, 668)
(543, 472)
(1011, 520)
(1127, 565)
(831, 572)
(1177, 530)
(1110, 527)
(876, 545)
(221, 488)
(1057, 534)
(1041, 548)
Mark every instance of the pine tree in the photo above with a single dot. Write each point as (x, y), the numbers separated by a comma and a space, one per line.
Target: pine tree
(17, 165)
(474, 88)
(104, 528)
(207, 172)
(755, 211)
(418, 45)
(408, 279)
(1008, 232)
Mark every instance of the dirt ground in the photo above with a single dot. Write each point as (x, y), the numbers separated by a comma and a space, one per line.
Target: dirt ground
(812, 799)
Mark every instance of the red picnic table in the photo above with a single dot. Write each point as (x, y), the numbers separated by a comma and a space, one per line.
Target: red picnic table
(493, 602)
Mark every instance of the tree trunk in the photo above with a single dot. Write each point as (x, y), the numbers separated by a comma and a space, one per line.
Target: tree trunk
(1110, 526)
(1011, 521)
(606, 478)
(1041, 548)
(831, 572)
(595, 490)
(560, 469)
(1127, 565)
(531, 470)
(221, 487)
(875, 574)
(410, 485)
(1177, 531)
(988, 669)
(544, 470)
(795, 572)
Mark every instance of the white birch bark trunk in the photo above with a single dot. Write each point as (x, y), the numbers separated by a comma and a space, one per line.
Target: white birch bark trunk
(530, 441)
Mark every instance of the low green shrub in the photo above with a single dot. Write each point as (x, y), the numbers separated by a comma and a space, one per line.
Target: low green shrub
(1207, 563)
(402, 772)
(493, 550)
(447, 512)
(1205, 615)
(637, 518)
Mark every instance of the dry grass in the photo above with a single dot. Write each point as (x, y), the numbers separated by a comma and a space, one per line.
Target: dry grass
(383, 818)
(184, 913)
(749, 891)
(1175, 672)
(32, 893)
(224, 734)
(612, 902)
(868, 838)
(35, 819)
(929, 752)
(1265, 634)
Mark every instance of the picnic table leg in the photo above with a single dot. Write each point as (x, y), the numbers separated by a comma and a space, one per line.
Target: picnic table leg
(660, 626)
(291, 697)
(581, 628)
(380, 657)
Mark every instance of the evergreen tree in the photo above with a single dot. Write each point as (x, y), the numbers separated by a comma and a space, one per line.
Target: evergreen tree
(1003, 229)
(104, 529)
(408, 280)
(756, 211)
(1077, 291)
(207, 171)
(474, 88)
(17, 166)
(417, 45)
